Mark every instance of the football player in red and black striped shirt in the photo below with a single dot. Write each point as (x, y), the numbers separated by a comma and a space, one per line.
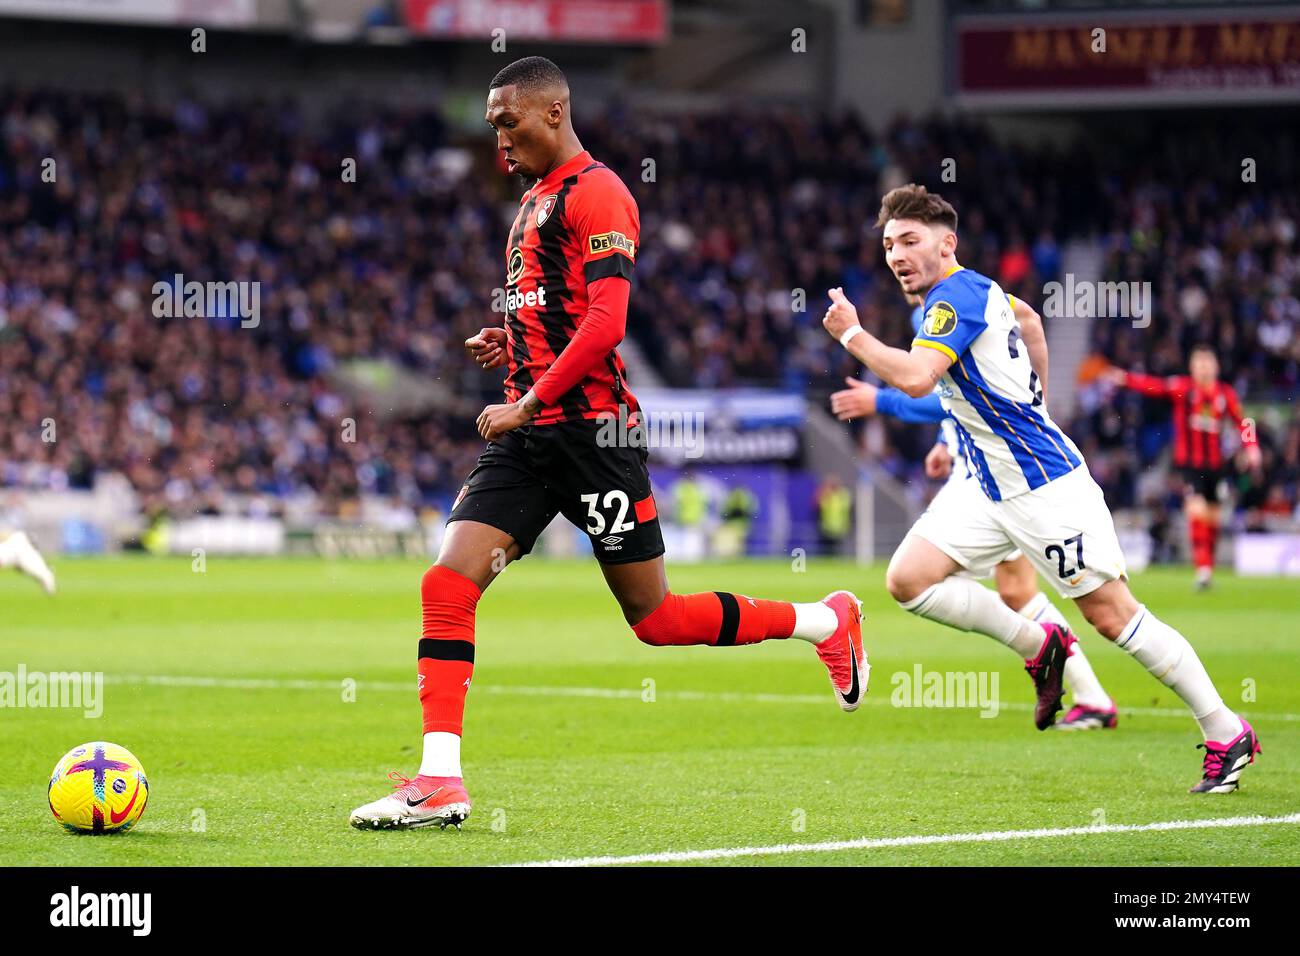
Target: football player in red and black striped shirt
(1202, 403)
(567, 441)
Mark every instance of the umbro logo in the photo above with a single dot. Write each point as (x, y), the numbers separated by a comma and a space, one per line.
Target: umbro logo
(611, 539)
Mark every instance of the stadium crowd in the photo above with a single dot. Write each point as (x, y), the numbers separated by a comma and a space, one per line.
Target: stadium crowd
(746, 220)
(1216, 240)
(393, 266)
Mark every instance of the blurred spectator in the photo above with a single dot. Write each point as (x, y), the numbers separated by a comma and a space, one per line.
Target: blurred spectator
(834, 514)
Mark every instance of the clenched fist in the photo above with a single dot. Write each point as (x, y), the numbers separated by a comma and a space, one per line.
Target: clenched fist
(488, 348)
(841, 316)
(938, 463)
(495, 420)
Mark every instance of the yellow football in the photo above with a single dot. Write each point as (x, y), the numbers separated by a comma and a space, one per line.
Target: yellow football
(98, 788)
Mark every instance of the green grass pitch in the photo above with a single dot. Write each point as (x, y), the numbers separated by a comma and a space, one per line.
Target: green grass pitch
(229, 686)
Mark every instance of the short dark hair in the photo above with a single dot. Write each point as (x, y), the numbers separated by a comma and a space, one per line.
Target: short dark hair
(916, 202)
(530, 74)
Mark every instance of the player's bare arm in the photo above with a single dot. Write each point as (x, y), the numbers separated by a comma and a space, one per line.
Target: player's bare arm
(1035, 339)
(1116, 376)
(914, 372)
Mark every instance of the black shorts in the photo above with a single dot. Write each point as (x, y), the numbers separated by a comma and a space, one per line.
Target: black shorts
(1202, 481)
(528, 476)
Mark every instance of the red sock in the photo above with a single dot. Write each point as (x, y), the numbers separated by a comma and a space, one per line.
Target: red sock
(717, 618)
(1199, 531)
(1211, 542)
(446, 658)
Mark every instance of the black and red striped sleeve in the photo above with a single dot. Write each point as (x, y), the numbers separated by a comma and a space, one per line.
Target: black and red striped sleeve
(606, 223)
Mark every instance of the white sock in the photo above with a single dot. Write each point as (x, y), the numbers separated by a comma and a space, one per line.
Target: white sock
(814, 622)
(1041, 609)
(441, 755)
(1172, 661)
(1079, 675)
(961, 603)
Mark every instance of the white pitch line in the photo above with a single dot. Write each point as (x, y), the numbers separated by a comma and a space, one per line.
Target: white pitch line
(875, 843)
(603, 693)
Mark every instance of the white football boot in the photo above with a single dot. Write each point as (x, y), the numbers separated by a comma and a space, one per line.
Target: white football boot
(422, 802)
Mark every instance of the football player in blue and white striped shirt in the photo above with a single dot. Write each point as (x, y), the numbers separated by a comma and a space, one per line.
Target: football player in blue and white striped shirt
(1014, 575)
(1038, 494)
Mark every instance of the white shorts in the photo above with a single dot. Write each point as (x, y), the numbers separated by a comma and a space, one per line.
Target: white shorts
(951, 499)
(1063, 527)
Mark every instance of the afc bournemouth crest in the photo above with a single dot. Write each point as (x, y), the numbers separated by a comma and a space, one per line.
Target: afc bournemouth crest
(544, 210)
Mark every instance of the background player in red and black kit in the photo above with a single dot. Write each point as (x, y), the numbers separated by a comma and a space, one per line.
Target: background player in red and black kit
(569, 262)
(1201, 403)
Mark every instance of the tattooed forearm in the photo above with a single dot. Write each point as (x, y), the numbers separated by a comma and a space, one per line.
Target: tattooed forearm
(531, 404)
